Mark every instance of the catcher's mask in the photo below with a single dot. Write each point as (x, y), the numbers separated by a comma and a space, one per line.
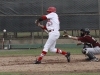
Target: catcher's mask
(84, 31)
(51, 9)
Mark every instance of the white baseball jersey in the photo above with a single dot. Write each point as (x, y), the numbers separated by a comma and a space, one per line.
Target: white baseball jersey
(52, 24)
(53, 21)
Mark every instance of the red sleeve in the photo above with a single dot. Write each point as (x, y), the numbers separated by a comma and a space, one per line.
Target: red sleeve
(44, 17)
(44, 27)
(82, 39)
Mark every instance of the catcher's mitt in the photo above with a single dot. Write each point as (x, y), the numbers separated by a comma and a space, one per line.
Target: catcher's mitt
(65, 34)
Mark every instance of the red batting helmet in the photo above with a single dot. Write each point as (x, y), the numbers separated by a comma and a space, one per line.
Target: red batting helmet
(51, 9)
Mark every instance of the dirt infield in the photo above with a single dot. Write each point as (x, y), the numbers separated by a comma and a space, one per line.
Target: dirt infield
(50, 64)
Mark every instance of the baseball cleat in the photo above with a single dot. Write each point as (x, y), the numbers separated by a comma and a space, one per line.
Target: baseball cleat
(87, 59)
(68, 56)
(37, 62)
(95, 60)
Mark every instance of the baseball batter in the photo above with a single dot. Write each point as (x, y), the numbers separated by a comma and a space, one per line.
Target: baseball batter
(52, 26)
(91, 46)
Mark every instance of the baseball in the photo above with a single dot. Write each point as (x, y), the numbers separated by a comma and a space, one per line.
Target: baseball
(4, 30)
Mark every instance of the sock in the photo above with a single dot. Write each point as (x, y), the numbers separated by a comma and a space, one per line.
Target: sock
(41, 56)
(61, 52)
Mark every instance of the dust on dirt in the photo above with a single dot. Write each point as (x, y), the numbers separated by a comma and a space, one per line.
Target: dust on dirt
(50, 64)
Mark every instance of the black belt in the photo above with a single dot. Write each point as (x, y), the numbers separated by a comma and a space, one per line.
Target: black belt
(51, 30)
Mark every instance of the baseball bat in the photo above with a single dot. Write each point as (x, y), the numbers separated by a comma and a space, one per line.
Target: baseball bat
(46, 31)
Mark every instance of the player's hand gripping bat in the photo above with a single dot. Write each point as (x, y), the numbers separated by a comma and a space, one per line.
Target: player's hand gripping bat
(41, 26)
(37, 23)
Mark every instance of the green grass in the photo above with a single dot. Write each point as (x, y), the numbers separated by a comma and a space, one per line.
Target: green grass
(36, 51)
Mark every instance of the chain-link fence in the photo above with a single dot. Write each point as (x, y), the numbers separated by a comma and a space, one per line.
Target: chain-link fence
(18, 16)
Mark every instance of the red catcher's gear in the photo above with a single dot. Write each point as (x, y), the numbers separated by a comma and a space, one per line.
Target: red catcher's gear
(51, 9)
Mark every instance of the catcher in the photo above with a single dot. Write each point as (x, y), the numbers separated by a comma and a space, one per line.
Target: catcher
(91, 46)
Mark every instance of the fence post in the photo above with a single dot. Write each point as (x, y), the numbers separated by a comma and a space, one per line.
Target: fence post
(99, 17)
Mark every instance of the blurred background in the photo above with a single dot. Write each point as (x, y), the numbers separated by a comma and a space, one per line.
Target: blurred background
(18, 16)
